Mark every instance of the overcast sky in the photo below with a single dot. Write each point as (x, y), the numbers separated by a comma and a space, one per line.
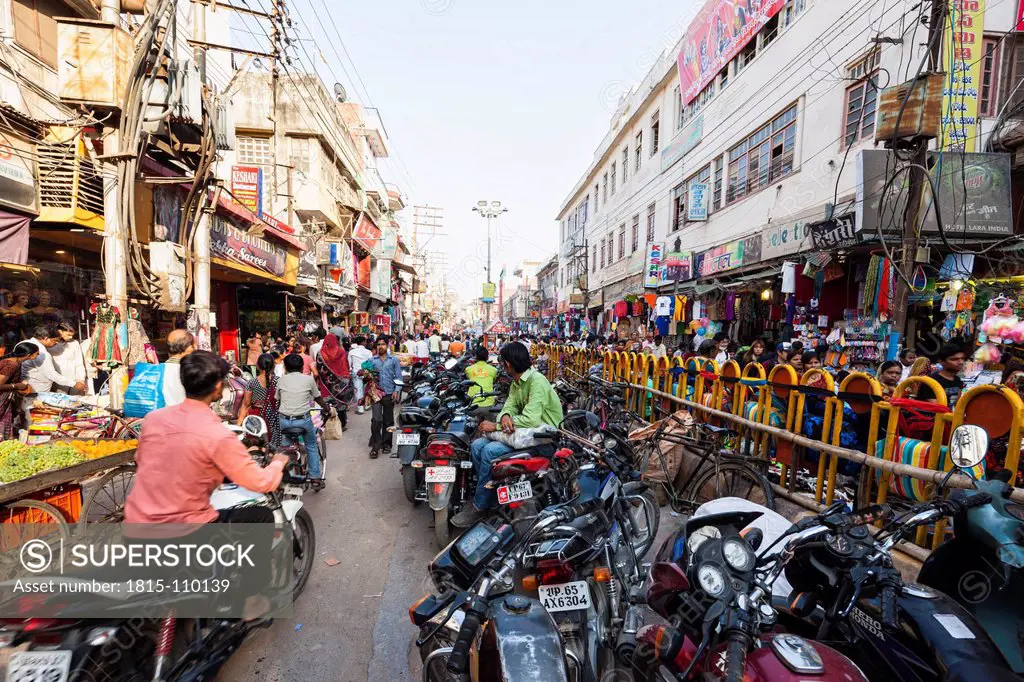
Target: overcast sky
(489, 99)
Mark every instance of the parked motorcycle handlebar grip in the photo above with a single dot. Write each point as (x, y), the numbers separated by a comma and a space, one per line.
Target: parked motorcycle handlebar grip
(888, 598)
(975, 500)
(458, 660)
(736, 658)
(575, 511)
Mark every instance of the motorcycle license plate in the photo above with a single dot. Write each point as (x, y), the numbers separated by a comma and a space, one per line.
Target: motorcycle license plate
(574, 596)
(407, 439)
(39, 666)
(515, 492)
(440, 475)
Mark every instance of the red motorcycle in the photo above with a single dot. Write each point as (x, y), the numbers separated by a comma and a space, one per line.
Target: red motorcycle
(715, 593)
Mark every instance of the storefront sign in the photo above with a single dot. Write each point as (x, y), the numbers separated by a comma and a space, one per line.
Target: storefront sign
(974, 194)
(720, 259)
(720, 30)
(678, 266)
(366, 233)
(652, 268)
(487, 295)
(576, 301)
(697, 207)
(963, 49)
(784, 239)
(235, 245)
(277, 224)
(751, 249)
(683, 143)
(362, 268)
(838, 233)
(247, 187)
(18, 174)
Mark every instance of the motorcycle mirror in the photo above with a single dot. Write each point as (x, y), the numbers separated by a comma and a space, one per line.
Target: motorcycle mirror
(968, 445)
(754, 537)
(254, 426)
(399, 383)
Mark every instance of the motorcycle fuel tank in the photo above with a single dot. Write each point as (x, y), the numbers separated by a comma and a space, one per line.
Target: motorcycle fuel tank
(521, 642)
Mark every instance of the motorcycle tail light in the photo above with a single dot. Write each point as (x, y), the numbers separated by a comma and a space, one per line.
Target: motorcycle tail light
(417, 464)
(443, 450)
(406, 430)
(39, 624)
(553, 571)
(441, 462)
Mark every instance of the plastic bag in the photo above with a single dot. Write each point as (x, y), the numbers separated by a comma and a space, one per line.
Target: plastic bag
(145, 390)
(521, 438)
(332, 428)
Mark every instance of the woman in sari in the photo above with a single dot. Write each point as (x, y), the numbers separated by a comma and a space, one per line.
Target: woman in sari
(334, 376)
(12, 387)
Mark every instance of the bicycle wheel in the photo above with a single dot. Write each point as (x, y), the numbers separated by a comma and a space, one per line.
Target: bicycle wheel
(731, 479)
(104, 503)
(25, 520)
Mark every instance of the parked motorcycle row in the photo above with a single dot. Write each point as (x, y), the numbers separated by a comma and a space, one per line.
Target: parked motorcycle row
(557, 584)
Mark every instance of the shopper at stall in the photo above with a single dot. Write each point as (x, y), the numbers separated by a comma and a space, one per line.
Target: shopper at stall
(254, 348)
(890, 374)
(68, 357)
(41, 372)
(908, 356)
(300, 347)
(356, 357)
(757, 353)
(319, 336)
(11, 386)
(952, 358)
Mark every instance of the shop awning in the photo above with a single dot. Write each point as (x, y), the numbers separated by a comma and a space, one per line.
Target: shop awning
(767, 273)
(403, 267)
(236, 210)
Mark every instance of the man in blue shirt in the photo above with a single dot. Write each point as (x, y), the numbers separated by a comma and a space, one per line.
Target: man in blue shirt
(382, 416)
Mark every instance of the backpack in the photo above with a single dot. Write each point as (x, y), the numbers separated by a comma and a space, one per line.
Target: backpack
(145, 391)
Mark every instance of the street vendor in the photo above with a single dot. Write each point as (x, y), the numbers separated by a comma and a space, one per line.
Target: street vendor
(41, 372)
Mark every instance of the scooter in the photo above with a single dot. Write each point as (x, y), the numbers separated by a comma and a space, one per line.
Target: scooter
(981, 567)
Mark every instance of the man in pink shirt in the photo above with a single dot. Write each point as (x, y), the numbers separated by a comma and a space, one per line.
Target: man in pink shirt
(185, 452)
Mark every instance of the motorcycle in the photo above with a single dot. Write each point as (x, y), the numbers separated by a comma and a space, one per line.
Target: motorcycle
(160, 649)
(714, 591)
(475, 574)
(981, 565)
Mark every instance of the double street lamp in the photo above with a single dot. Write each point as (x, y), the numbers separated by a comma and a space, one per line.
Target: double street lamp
(489, 210)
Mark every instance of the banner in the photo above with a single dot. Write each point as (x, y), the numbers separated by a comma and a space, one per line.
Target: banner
(720, 259)
(974, 194)
(697, 202)
(247, 187)
(1020, 15)
(838, 233)
(363, 266)
(962, 56)
(652, 269)
(235, 245)
(488, 292)
(717, 34)
(677, 266)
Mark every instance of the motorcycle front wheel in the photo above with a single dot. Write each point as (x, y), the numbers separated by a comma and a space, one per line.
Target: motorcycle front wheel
(305, 550)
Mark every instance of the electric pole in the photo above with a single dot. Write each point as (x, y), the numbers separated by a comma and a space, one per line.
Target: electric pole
(489, 210)
(917, 173)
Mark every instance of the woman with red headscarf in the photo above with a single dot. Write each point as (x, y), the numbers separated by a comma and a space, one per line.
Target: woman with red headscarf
(334, 375)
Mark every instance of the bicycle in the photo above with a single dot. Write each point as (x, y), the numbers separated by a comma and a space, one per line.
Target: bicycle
(719, 472)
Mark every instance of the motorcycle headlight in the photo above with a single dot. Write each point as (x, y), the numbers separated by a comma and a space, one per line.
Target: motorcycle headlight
(610, 443)
(712, 580)
(738, 555)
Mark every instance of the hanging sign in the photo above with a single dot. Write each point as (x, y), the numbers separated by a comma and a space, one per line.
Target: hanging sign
(720, 259)
(677, 266)
(652, 269)
(697, 205)
(366, 233)
(247, 187)
(232, 244)
(963, 55)
(488, 292)
(838, 233)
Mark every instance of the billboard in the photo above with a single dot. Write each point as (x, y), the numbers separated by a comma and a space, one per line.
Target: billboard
(717, 34)
(973, 194)
(18, 174)
(247, 187)
(964, 51)
(652, 268)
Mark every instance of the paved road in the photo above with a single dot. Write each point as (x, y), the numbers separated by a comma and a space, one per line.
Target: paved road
(351, 623)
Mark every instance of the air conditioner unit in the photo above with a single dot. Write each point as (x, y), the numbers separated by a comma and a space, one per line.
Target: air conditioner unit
(167, 259)
(70, 184)
(94, 61)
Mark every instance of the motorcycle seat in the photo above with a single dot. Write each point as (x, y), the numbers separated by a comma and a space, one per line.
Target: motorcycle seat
(970, 670)
(293, 431)
(547, 451)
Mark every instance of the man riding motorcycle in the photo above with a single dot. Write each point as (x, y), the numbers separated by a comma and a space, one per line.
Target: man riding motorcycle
(531, 402)
(483, 373)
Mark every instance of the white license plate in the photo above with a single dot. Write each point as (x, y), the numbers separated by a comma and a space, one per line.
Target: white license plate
(574, 596)
(39, 666)
(407, 439)
(440, 475)
(515, 492)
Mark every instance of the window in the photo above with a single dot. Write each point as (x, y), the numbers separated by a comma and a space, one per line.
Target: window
(35, 28)
(655, 132)
(680, 109)
(625, 164)
(989, 94)
(861, 99)
(584, 209)
(746, 55)
(678, 206)
(604, 195)
(613, 177)
(650, 222)
(716, 201)
(639, 150)
(723, 77)
(593, 266)
(764, 157)
(793, 8)
(254, 150)
(1015, 97)
(602, 251)
(622, 241)
(300, 154)
(770, 31)
(636, 234)
(596, 195)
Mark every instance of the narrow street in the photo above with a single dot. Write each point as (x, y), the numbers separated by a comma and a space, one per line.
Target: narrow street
(351, 622)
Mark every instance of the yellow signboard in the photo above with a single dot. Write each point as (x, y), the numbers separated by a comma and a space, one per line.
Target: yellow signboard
(962, 57)
(488, 292)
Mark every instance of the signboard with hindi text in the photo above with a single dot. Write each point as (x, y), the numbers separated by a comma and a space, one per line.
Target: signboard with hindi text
(697, 205)
(963, 54)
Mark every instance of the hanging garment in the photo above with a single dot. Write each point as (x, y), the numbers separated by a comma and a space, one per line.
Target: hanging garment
(638, 308)
(679, 312)
(106, 347)
(650, 299)
(621, 309)
(789, 278)
(137, 339)
(663, 306)
(730, 306)
(662, 324)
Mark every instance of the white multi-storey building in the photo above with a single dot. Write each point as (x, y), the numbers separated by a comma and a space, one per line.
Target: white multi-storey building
(773, 138)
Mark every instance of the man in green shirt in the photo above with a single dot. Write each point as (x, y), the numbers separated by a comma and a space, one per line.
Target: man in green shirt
(482, 373)
(531, 402)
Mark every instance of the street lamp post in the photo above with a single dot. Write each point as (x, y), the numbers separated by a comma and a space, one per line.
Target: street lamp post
(489, 210)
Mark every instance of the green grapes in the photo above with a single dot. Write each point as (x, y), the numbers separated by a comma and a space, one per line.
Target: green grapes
(29, 461)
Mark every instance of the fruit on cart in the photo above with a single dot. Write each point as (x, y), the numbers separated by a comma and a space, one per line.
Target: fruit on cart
(10, 447)
(36, 459)
(95, 449)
